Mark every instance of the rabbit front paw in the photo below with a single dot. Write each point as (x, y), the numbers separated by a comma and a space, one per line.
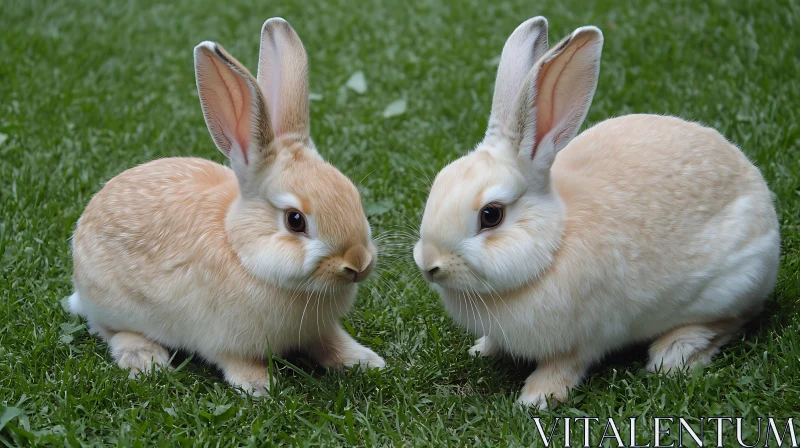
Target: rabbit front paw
(483, 347)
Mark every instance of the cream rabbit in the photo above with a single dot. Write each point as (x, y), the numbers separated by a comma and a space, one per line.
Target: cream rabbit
(642, 228)
(230, 263)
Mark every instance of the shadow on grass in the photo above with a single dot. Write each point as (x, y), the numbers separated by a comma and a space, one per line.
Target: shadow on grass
(197, 364)
(500, 374)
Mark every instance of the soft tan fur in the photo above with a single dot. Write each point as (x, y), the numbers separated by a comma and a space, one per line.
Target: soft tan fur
(187, 253)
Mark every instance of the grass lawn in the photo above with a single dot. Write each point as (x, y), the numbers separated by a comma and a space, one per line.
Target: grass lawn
(90, 88)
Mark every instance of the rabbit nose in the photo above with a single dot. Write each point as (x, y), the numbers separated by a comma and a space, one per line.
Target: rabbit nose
(357, 263)
(357, 276)
(431, 273)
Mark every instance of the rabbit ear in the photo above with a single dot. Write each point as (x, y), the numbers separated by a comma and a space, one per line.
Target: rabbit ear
(523, 48)
(283, 78)
(556, 96)
(233, 107)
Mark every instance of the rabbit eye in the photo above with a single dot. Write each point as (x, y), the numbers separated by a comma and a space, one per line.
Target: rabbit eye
(295, 221)
(492, 215)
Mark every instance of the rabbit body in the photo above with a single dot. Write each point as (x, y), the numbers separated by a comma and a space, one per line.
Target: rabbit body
(559, 248)
(667, 224)
(230, 263)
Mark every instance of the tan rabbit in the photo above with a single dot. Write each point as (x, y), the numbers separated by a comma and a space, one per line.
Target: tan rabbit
(230, 263)
(642, 228)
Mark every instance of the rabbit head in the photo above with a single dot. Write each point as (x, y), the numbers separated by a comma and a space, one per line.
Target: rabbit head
(298, 221)
(493, 221)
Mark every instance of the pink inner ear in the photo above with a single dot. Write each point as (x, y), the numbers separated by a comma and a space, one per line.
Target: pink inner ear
(233, 106)
(549, 109)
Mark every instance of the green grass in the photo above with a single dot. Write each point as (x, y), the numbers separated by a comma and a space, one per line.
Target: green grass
(91, 88)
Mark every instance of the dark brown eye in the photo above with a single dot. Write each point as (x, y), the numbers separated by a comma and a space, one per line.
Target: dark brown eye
(492, 216)
(295, 221)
